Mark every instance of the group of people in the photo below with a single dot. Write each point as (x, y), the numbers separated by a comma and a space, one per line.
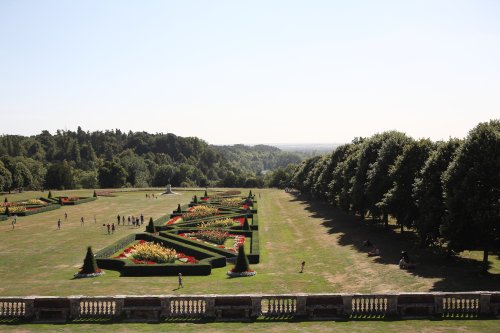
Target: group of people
(135, 221)
(151, 196)
(82, 220)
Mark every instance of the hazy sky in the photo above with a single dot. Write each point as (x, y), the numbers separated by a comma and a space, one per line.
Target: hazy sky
(250, 71)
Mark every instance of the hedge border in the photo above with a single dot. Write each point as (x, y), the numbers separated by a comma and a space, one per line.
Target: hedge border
(208, 260)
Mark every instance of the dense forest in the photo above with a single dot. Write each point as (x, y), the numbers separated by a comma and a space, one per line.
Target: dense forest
(112, 159)
(447, 192)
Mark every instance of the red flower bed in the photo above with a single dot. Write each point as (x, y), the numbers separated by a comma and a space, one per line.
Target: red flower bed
(245, 207)
(173, 220)
(205, 199)
(240, 220)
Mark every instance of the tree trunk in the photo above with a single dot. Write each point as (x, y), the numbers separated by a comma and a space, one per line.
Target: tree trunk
(485, 261)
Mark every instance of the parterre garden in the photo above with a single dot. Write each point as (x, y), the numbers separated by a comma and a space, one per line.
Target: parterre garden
(193, 239)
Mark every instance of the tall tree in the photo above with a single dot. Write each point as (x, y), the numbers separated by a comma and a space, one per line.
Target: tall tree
(428, 192)
(399, 200)
(472, 192)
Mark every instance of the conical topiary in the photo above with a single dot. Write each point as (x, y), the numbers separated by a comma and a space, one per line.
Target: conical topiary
(50, 195)
(242, 264)
(7, 210)
(151, 226)
(89, 263)
(6, 200)
(95, 194)
(250, 194)
(179, 210)
(206, 194)
(246, 226)
(195, 199)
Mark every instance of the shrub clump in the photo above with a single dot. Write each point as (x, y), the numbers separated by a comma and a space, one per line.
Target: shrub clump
(149, 251)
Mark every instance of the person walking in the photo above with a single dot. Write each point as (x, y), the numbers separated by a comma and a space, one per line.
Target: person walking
(109, 229)
(14, 221)
(118, 218)
(180, 281)
(302, 267)
(112, 228)
(81, 221)
(123, 219)
(65, 216)
(142, 219)
(59, 224)
(95, 219)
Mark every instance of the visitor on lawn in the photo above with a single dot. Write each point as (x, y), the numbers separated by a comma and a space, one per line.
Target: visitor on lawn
(180, 281)
(59, 224)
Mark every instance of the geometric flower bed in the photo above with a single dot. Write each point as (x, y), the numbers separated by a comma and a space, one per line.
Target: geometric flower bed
(202, 235)
(27, 207)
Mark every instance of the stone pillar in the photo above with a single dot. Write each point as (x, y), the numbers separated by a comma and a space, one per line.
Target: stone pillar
(392, 305)
(300, 309)
(347, 300)
(74, 307)
(29, 310)
(165, 307)
(438, 304)
(210, 306)
(484, 304)
(256, 306)
(119, 302)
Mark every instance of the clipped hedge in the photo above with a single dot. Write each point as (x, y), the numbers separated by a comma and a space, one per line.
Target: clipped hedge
(79, 201)
(207, 259)
(40, 210)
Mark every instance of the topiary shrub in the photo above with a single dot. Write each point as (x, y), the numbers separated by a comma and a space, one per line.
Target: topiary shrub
(7, 211)
(50, 195)
(95, 194)
(250, 194)
(179, 210)
(246, 226)
(151, 227)
(89, 263)
(195, 199)
(206, 194)
(6, 200)
(242, 264)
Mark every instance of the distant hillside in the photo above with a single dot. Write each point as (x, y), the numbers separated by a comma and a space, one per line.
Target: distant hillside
(309, 149)
(113, 158)
(258, 158)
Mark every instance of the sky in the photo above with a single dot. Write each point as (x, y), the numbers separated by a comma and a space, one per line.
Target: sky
(250, 71)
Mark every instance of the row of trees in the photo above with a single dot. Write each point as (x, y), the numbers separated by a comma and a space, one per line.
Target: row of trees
(136, 159)
(447, 192)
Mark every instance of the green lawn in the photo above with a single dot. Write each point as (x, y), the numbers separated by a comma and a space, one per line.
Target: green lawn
(37, 259)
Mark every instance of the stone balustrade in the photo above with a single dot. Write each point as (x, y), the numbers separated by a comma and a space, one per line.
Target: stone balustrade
(154, 308)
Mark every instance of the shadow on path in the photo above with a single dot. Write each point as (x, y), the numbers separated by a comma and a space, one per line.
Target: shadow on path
(455, 273)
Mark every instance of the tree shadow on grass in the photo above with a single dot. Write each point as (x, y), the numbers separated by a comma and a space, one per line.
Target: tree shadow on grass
(454, 273)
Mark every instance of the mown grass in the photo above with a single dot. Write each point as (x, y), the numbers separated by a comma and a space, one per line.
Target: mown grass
(37, 259)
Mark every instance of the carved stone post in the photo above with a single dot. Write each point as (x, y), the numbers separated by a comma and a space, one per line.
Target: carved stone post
(165, 307)
(74, 307)
(347, 300)
(210, 306)
(484, 304)
(392, 305)
(438, 304)
(29, 311)
(300, 310)
(119, 302)
(256, 306)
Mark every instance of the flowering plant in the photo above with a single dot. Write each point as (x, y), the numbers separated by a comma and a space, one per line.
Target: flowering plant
(219, 223)
(214, 236)
(199, 212)
(149, 251)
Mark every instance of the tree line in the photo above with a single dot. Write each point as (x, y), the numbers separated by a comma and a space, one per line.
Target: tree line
(448, 192)
(112, 159)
